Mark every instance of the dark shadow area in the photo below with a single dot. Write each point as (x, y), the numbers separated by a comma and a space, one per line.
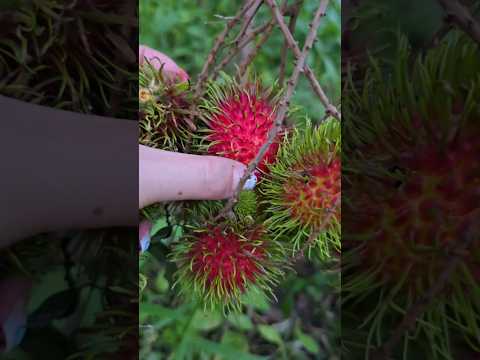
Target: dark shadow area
(69, 183)
(411, 180)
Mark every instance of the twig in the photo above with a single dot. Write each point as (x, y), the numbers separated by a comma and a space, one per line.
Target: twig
(218, 43)
(461, 16)
(237, 47)
(292, 44)
(282, 107)
(417, 309)
(248, 20)
(291, 26)
(248, 60)
(239, 43)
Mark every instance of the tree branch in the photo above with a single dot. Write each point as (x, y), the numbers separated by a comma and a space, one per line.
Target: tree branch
(283, 104)
(237, 47)
(248, 60)
(292, 44)
(291, 26)
(219, 41)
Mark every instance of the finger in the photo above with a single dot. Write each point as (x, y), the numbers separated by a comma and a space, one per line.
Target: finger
(13, 313)
(157, 59)
(168, 176)
(144, 235)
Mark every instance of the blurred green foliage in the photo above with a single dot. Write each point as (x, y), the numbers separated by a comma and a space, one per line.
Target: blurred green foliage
(186, 30)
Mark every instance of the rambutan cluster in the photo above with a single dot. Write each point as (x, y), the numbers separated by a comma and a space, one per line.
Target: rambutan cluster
(296, 198)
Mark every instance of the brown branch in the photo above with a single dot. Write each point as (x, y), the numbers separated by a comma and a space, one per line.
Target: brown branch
(291, 26)
(456, 252)
(237, 47)
(292, 44)
(283, 104)
(461, 16)
(219, 41)
(239, 43)
(248, 60)
(248, 20)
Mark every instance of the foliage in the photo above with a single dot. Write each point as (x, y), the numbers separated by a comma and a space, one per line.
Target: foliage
(186, 34)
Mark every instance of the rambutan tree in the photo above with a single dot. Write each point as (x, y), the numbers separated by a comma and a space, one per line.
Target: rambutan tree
(221, 254)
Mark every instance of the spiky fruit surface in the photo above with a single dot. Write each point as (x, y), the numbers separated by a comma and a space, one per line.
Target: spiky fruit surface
(246, 207)
(238, 119)
(164, 110)
(302, 192)
(413, 193)
(219, 265)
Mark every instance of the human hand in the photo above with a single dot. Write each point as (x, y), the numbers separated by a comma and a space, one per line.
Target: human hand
(169, 176)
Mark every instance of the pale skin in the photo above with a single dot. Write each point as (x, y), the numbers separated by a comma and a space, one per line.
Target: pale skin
(62, 170)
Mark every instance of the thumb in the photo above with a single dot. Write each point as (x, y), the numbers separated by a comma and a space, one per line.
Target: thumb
(170, 176)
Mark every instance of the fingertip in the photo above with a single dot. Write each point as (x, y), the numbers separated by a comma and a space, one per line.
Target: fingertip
(238, 172)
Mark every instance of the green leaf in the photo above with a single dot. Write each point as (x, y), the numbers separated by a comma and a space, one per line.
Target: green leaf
(161, 283)
(235, 340)
(206, 321)
(270, 334)
(308, 343)
(226, 352)
(256, 299)
(158, 225)
(240, 321)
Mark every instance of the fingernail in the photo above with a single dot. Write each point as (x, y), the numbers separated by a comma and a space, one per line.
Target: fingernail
(144, 235)
(238, 172)
(251, 182)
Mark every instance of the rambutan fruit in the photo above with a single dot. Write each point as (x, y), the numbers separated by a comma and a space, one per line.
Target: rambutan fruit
(164, 103)
(218, 265)
(246, 206)
(412, 196)
(302, 192)
(238, 119)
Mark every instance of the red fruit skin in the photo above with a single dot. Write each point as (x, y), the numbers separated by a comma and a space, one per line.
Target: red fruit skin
(240, 129)
(310, 200)
(227, 260)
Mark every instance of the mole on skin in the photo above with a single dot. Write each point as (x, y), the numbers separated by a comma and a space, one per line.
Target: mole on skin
(180, 193)
(98, 211)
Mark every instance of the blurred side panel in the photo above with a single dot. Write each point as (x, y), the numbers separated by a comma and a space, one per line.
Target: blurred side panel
(69, 179)
(411, 179)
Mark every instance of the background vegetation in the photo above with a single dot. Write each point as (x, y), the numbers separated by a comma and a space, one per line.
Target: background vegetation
(304, 322)
(186, 29)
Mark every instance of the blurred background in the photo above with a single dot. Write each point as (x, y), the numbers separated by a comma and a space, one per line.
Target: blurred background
(304, 323)
(185, 30)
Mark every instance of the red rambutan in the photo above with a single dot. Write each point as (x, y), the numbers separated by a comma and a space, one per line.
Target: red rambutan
(238, 120)
(302, 192)
(219, 265)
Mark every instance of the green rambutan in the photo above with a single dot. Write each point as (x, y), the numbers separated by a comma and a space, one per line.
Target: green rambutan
(238, 119)
(302, 192)
(412, 194)
(246, 207)
(164, 103)
(218, 265)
